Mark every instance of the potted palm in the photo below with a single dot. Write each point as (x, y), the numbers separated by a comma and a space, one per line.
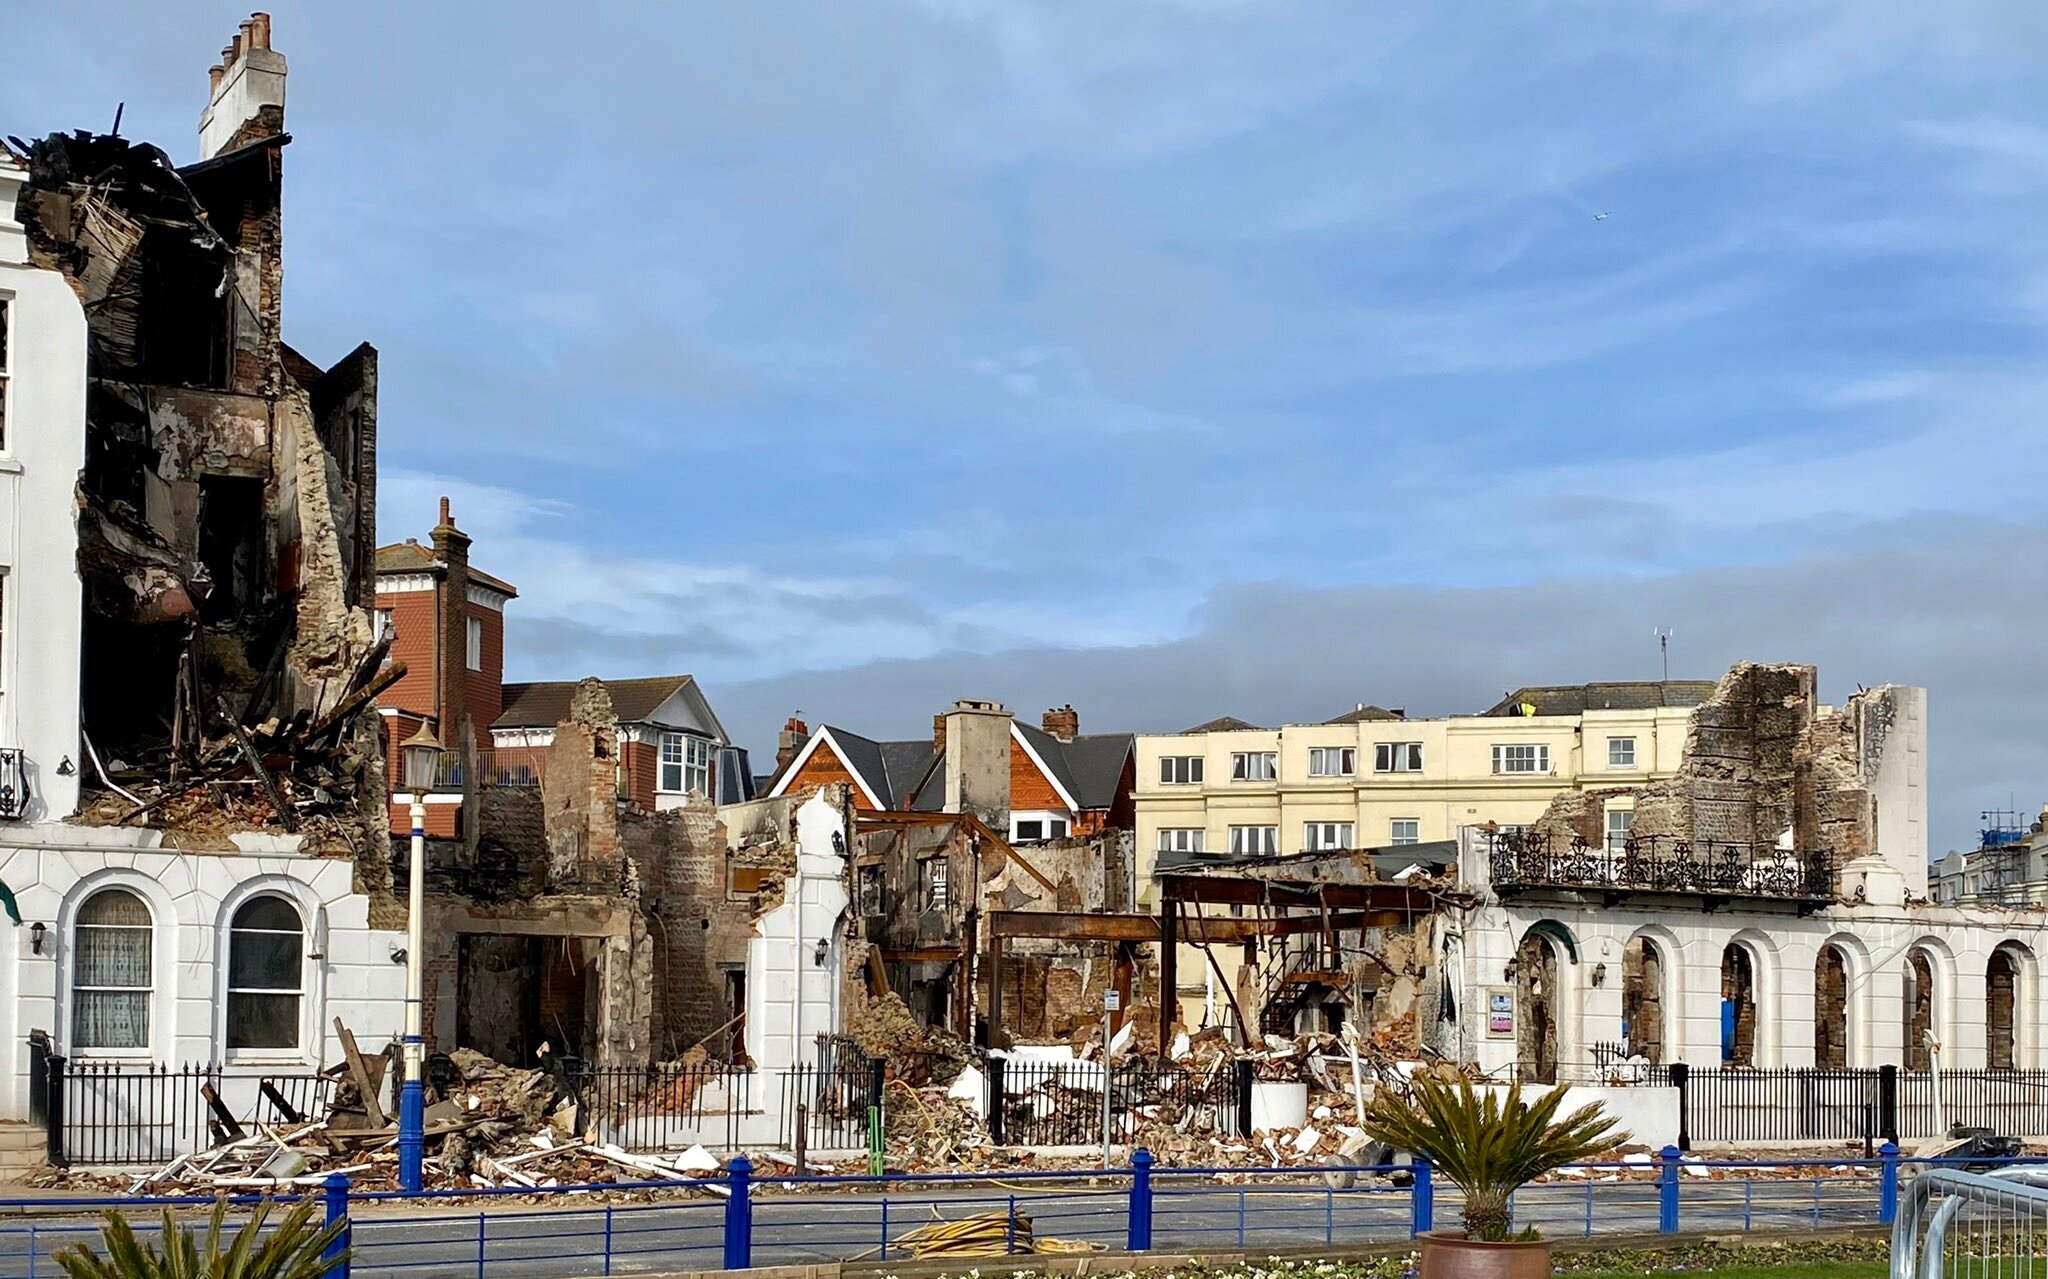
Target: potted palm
(295, 1248)
(1488, 1145)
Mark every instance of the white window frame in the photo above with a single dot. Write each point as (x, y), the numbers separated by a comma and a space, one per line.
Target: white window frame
(1617, 831)
(1317, 837)
(149, 1015)
(1333, 761)
(931, 882)
(1623, 760)
(1397, 757)
(1182, 839)
(473, 642)
(682, 765)
(301, 992)
(1510, 760)
(1254, 766)
(7, 326)
(1249, 841)
(1180, 770)
(1398, 837)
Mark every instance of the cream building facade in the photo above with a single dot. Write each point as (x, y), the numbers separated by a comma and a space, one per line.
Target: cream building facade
(1374, 778)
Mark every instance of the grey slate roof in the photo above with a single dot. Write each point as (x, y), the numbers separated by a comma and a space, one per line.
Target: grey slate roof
(890, 769)
(1576, 699)
(1365, 714)
(1221, 724)
(544, 705)
(1090, 767)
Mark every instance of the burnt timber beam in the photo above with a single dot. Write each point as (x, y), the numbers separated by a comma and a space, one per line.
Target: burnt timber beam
(1217, 890)
(1081, 926)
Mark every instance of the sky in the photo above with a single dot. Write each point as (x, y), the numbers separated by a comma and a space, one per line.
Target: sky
(1180, 358)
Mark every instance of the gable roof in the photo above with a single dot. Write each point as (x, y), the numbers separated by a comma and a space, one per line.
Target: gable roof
(1221, 724)
(414, 557)
(1089, 769)
(889, 772)
(1576, 699)
(1365, 715)
(546, 704)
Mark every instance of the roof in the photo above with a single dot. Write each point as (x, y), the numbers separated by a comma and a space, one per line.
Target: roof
(413, 557)
(907, 775)
(1222, 724)
(302, 370)
(890, 771)
(1576, 699)
(1366, 714)
(546, 704)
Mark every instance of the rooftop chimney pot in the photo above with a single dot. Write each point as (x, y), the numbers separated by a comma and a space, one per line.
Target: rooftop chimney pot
(445, 517)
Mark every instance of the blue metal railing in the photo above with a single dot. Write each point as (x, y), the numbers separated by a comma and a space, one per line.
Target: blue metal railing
(738, 1219)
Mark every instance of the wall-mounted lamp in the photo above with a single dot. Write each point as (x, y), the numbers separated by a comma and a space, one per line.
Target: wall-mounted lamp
(1510, 970)
(35, 937)
(839, 842)
(1599, 974)
(65, 767)
(818, 952)
(398, 954)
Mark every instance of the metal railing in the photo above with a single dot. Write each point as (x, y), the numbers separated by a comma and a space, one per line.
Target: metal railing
(1059, 1103)
(1961, 1225)
(734, 1220)
(119, 1113)
(1522, 860)
(524, 766)
(659, 1108)
(1738, 1105)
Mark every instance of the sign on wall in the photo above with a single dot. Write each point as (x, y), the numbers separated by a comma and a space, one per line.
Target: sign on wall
(1500, 1013)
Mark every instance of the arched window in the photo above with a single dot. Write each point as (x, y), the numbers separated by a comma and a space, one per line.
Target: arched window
(1831, 1009)
(2002, 1009)
(111, 971)
(266, 974)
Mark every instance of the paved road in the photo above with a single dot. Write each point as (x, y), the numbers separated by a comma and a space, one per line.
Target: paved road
(1191, 1215)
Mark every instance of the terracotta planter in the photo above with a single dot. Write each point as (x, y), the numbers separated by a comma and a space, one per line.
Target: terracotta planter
(1448, 1254)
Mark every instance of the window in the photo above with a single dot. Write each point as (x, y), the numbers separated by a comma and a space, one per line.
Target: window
(868, 891)
(1032, 829)
(1180, 770)
(1618, 822)
(931, 882)
(111, 983)
(685, 765)
(1397, 757)
(1254, 839)
(1025, 830)
(1521, 759)
(4, 368)
(387, 628)
(1332, 761)
(1319, 836)
(266, 974)
(473, 642)
(1404, 830)
(1253, 766)
(1621, 752)
(1181, 839)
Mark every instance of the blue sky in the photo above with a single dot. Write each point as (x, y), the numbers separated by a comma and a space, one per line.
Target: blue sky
(1183, 358)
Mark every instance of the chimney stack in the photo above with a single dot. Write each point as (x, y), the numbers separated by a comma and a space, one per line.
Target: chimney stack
(245, 92)
(1063, 722)
(451, 696)
(939, 733)
(976, 738)
(791, 741)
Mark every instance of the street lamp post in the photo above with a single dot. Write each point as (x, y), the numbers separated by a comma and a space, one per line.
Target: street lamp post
(420, 755)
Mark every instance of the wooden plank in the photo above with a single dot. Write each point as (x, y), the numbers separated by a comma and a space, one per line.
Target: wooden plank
(224, 1122)
(1080, 926)
(285, 1109)
(360, 1073)
(288, 818)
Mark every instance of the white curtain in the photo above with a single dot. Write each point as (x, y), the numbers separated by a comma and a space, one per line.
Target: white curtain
(110, 973)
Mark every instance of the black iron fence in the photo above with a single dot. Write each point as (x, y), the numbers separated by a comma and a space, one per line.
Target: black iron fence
(825, 1107)
(1520, 860)
(1060, 1103)
(139, 1113)
(656, 1108)
(1739, 1106)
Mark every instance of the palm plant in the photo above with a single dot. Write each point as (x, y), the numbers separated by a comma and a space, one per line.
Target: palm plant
(296, 1248)
(1488, 1145)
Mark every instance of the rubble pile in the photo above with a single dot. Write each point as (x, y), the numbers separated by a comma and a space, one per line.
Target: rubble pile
(222, 770)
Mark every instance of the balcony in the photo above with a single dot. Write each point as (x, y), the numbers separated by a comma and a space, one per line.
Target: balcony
(13, 783)
(1522, 861)
(520, 767)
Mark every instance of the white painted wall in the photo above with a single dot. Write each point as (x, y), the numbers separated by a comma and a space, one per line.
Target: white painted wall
(349, 971)
(40, 595)
(1648, 1114)
(792, 998)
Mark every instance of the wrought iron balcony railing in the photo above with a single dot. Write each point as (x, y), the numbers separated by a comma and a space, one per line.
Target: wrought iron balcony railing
(13, 783)
(1522, 860)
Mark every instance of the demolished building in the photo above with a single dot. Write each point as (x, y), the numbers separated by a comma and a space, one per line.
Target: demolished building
(201, 875)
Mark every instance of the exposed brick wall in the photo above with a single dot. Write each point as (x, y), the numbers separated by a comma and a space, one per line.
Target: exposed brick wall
(1831, 1010)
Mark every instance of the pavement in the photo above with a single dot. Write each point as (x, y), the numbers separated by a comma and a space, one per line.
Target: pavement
(1190, 1215)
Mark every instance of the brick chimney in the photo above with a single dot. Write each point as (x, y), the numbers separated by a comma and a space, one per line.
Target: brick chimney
(791, 741)
(1063, 722)
(451, 679)
(246, 91)
(939, 733)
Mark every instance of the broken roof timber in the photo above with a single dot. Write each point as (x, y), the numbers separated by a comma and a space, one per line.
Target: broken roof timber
(1062, 925)
(1216, 890)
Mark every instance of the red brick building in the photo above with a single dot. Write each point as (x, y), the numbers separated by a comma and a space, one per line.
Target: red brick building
(1061, 783)
(446, 620)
